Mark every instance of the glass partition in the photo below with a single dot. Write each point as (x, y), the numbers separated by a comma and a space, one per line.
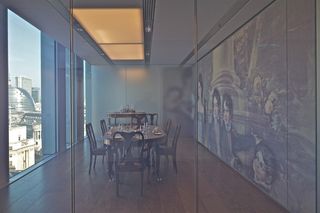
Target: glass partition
(38, 159)
(223, 94)
(317, 102)
(156, 84)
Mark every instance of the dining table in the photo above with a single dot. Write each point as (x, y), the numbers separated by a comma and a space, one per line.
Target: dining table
(152, 136)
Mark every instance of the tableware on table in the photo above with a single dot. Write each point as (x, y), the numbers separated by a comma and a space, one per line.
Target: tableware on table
(157, 131)
(106, 142)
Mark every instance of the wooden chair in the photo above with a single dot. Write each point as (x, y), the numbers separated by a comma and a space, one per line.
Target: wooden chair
(153, 118)
(94, 149)
(166, 128)
(168, 151)
(133, 158)
(103, 126)
(139, 120)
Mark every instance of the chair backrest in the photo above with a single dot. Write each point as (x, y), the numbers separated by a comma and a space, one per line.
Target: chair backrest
(176, 137)
(103, 126)
(110, 123)
(167, 126)
(92, 138)
(153, 118)
(133, 145)
(166, 129)
(139, 119)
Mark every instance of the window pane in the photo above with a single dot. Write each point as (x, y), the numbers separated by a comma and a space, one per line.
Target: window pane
(68, 100)
(24, 55)
(84, 97)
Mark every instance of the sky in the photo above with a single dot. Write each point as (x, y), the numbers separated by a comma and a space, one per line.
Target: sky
(24, 49)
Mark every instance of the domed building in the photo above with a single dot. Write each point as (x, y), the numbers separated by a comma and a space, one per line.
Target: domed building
(24, 125)
(20, 100)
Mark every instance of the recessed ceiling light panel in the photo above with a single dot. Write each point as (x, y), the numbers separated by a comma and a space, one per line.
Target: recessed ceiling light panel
(118, 31)
(109, 25)
(124, 51)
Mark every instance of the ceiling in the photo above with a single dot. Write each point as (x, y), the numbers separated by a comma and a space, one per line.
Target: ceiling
(174, 29)
(118, 31)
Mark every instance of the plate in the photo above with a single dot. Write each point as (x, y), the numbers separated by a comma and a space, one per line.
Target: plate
(118, 136)
(107, 142)
(157, 133)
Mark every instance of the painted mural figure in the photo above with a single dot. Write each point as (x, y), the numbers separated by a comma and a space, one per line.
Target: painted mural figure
(271, 110)
(201, 111)
(237, 150)
(214, 123)
(263, 166)
(257, 95)
(226, 133)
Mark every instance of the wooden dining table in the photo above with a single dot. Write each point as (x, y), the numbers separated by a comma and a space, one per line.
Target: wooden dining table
(152, 134)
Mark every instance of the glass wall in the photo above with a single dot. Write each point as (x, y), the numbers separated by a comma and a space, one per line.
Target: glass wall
(159, 86)
(318, 100)
(38, 82)
(245, 98)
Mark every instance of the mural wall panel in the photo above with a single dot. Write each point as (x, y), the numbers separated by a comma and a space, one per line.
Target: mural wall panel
(301, 106)
(256, 103)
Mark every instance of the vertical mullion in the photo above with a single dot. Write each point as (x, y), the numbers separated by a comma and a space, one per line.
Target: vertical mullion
(72, 75)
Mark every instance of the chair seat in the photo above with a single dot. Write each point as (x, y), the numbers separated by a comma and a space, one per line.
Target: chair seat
(99, 151)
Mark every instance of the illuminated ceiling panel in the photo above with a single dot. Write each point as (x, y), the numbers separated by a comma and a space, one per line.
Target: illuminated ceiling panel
(111, 26)
(124, 51)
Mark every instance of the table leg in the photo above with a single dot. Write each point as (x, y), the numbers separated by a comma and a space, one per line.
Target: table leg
(110, 162)
(157, 163)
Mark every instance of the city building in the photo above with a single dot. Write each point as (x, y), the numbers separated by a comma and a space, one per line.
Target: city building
(36, 94)
(24, 83)
(21, 149)
(24, 130)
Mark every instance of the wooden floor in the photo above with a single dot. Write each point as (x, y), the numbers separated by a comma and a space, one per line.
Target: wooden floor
(48, 188)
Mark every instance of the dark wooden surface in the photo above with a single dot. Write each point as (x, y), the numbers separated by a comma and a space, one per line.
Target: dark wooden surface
(148, 133)
(48, 188)
(125, 114)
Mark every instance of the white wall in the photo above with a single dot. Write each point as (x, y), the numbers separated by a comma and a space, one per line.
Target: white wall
(116, 86)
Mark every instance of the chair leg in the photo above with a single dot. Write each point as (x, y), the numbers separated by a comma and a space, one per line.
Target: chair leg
(167, 163)
(153, 161)
(149, 168)
(90, 164)
(102, 159)
(117, 183)
(157, 165)
(141, 192)
(174, 162)
(110, 163)
(95, 160)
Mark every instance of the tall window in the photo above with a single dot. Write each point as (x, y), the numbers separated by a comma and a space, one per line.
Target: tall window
(24, 55)
(39, 85)
(84, 97)
(68, 100)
